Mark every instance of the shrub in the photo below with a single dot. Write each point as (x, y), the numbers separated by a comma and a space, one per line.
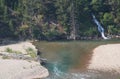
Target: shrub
(8, 50)
(31, 52)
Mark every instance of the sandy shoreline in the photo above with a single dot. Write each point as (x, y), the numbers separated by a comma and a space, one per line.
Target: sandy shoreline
(106, 58)
(18, 68)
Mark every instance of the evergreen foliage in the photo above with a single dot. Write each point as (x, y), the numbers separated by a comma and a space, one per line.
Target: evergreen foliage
(57, 19)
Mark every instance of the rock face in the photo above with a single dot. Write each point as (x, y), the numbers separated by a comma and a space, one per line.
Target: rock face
(21, 69)
(20, 47)
(20, 65)
(106, 58)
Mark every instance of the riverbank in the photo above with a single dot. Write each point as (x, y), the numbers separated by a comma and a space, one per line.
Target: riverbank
(17, 61)
(106, 58)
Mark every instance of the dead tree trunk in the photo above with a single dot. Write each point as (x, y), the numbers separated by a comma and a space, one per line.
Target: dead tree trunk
(73, 24)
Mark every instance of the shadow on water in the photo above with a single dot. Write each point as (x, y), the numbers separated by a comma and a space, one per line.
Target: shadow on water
(69, 60)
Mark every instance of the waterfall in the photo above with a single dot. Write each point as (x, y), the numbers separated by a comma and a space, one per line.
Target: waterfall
(100, 28)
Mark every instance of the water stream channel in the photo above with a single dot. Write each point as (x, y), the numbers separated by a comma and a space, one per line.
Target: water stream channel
(69, 60)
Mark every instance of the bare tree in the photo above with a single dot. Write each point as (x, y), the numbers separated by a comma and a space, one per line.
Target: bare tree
(73, 23)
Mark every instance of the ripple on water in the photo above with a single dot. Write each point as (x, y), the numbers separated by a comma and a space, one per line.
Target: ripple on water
(86, 75)
(66, 59)
(57, 73)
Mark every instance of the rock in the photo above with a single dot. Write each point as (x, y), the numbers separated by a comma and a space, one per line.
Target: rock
(21, 69)
(20, 66)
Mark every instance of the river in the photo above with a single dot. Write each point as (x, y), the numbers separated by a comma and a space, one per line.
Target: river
(69, 59)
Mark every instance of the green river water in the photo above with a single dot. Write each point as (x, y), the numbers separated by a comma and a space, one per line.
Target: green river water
(69, 59)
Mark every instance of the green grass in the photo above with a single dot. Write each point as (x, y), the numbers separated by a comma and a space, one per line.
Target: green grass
(31, 52)
(9, 50)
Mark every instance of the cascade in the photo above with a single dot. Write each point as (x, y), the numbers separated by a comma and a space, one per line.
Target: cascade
(100, 28)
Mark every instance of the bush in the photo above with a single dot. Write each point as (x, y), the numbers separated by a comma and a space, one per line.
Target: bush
(52, 35)
(91, 32)
(107, 19)
(31, 52)
(113, 30)
(8, 50)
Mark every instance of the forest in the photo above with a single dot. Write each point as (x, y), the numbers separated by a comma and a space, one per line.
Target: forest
(58, 19)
